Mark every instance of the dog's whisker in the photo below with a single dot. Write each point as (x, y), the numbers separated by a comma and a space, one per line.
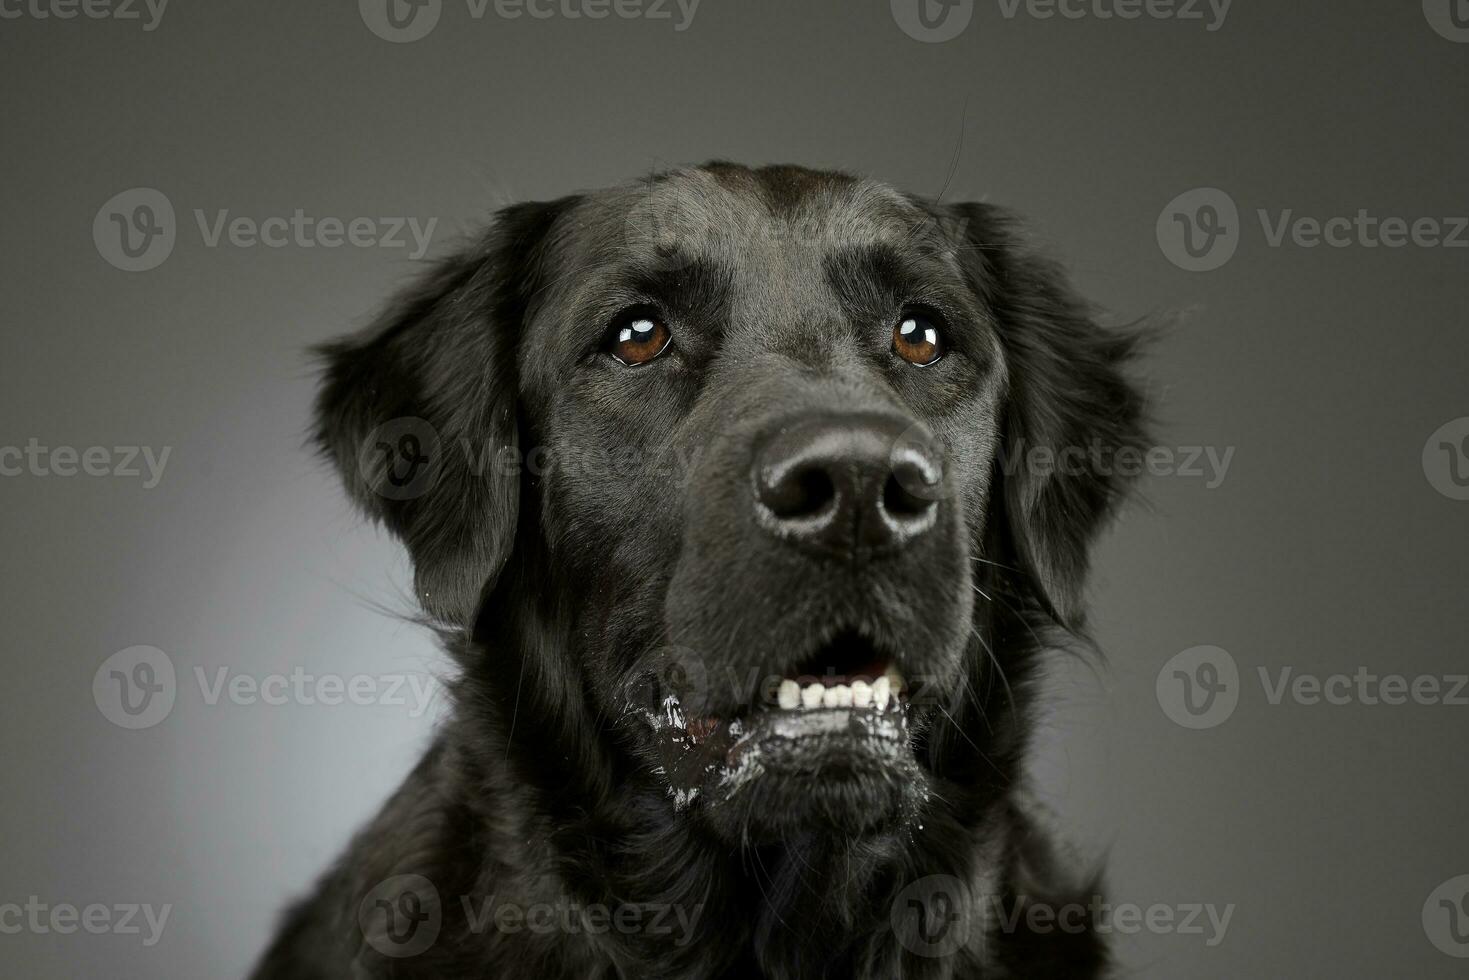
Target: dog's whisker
(999, 670)
(996, 564)
(977, 750)
(515, 710)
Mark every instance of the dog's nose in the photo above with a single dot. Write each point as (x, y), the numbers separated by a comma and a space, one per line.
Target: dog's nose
(848, 485)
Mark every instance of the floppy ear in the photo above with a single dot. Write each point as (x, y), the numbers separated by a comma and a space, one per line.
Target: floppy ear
(418, 411)
(1068, 391)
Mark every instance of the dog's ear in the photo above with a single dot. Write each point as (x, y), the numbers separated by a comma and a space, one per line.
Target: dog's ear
(419, 413)
(1074, 430)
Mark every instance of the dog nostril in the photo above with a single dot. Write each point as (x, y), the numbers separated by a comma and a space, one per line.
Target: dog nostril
(799, 492)
(902, 497)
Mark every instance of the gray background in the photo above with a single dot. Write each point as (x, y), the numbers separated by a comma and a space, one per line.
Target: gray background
(1326, 548)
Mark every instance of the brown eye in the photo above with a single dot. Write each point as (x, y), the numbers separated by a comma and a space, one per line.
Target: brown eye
(639, 339)
(918, 340)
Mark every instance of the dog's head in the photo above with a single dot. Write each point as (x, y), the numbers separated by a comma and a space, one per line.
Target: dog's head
(733, 477)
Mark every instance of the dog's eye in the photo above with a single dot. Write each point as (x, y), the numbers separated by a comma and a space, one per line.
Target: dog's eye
(637, 339)
(918, 339)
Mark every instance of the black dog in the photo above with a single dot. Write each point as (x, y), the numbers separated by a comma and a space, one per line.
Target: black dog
(720, 490)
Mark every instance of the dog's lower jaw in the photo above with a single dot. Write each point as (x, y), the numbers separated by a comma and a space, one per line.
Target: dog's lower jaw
(817, 903)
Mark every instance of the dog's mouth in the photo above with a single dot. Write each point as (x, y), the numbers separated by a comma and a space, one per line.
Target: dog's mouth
(838, 717)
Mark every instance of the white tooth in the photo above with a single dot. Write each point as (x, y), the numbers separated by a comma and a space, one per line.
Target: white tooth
(812, 694)
(895, 680)
(881, 692)
(837, 696)
(861, 693)
(790, 694)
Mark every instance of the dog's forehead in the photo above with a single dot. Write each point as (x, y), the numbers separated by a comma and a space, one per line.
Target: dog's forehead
(746, 221)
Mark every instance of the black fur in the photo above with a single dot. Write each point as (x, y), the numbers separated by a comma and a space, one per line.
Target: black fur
(578, 584)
